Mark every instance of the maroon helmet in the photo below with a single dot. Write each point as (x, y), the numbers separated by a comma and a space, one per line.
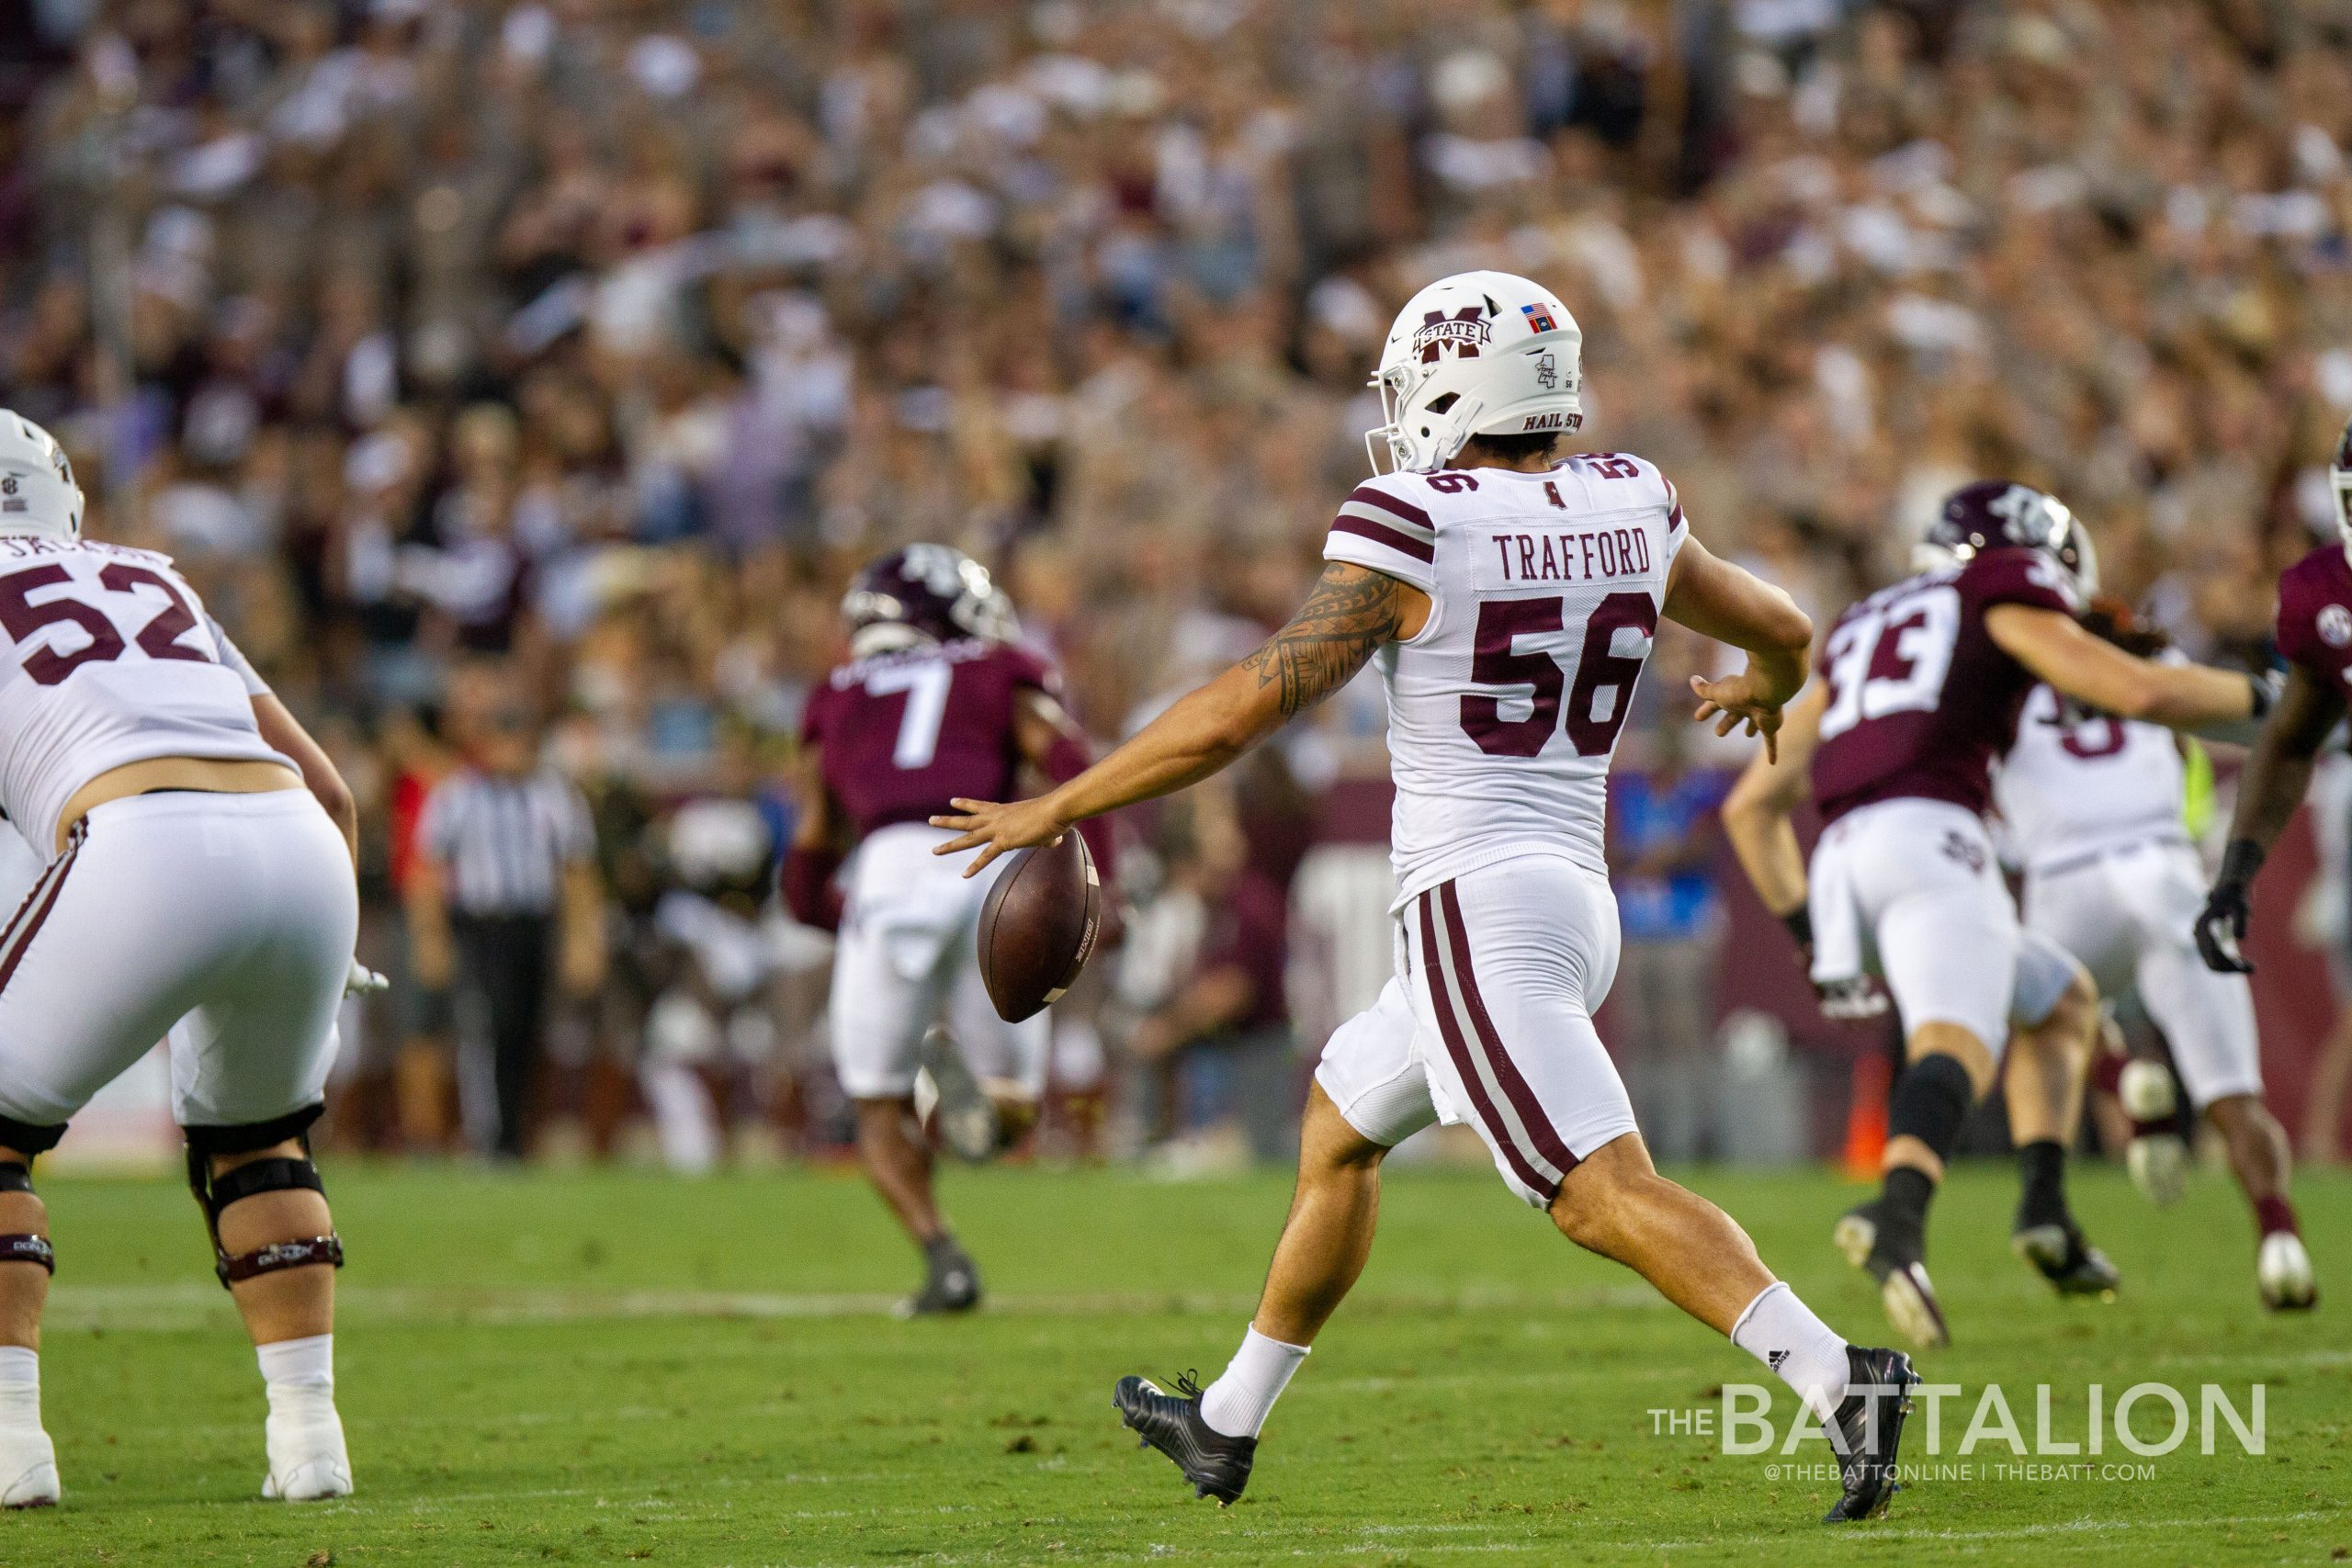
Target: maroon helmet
(1996, 514)
(924, 591)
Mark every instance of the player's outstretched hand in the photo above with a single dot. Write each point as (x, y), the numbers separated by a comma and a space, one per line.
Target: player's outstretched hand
(2221, 928)
(996, 829)
(1740, 699)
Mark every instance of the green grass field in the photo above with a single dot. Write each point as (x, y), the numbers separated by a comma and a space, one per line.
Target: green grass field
(596, 1368)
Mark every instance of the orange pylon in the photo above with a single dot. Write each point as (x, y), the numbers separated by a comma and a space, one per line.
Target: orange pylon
(1866, 1117)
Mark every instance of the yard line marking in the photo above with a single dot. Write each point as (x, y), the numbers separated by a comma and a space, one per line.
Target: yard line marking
(173, 1306)
(2082, 1526)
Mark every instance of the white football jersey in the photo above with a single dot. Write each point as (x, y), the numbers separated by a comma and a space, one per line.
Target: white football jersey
(2067, 790)
(1544, 590)
(106, 657)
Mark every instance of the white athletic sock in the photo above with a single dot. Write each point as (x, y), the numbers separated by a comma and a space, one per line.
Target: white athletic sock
(1782, 1332)
(299, 1374)
(1238, 1403)
(19, 1387)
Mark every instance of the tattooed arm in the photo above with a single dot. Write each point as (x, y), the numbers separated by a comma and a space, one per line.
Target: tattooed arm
(1353, 610)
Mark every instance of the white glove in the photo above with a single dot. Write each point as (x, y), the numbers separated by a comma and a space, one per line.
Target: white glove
(362, 980)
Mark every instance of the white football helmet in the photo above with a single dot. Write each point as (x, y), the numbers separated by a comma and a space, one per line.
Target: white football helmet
(1476, 354)
(38, 495)
(2339, 481)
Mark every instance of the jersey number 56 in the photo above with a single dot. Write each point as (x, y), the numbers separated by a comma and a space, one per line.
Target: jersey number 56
(1600, 667)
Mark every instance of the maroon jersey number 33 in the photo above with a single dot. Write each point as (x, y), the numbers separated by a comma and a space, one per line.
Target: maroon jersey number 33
(904, 732)
(1921, 698)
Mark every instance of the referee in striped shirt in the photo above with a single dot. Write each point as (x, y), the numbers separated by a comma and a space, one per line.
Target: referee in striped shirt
(507, 899)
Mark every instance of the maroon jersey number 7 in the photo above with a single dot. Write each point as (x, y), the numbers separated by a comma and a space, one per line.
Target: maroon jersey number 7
(903, 733)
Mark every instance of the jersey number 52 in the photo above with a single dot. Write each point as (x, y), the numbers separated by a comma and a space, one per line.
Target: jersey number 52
(1496, 661)
(159, 638)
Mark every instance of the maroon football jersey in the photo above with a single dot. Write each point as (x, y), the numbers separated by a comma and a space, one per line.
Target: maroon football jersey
(1921, 698)
(905, 731)
(2315, 616)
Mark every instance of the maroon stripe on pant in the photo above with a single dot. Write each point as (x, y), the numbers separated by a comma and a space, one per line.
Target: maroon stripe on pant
(1539, 1131)
(30, 916)
(1441, 1003)
(24, 906)
(35, 896)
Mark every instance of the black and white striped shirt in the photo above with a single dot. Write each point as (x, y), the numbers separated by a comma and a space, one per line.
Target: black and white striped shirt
(504, 843)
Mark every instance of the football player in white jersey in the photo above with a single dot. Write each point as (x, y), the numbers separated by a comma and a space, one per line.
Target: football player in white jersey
(198, 861)
(1509, 600)
(2095, 807)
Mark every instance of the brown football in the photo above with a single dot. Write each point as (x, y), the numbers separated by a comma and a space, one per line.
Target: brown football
(1038, 926)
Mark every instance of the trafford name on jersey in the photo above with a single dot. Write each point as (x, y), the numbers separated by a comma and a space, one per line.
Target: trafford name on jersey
(1544, 590)
(113, 662)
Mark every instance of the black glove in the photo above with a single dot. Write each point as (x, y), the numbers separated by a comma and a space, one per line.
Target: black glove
(2268, 686)
(2221, 925)
(1800, 923)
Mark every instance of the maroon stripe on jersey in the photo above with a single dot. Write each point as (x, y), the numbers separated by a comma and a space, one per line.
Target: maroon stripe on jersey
(1387, 503)
(1539, 1131)
(31, 915)
(1447, 1025)
(1380, 533)
(1674, 518)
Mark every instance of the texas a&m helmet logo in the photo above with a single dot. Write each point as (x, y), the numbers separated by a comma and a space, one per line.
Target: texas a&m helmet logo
(1465, 331)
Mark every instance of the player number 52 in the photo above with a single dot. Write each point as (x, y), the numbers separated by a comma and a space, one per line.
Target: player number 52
(159, 638)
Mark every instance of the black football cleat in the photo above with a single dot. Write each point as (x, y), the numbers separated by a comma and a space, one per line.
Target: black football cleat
(2073, 1265)
(951, 1283)
(1217, 1465)
(1899, 1266)
(1869, 1430)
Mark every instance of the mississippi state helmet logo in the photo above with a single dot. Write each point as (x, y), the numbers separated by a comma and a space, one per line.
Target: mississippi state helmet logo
(1465, 331)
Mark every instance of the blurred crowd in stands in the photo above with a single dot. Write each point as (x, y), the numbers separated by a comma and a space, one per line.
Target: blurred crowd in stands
(552, 362)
